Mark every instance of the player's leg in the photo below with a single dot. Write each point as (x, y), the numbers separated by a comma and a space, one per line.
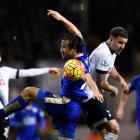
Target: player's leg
(68, 121)
(65, 113)
(3, 125)
(28, 94)
(112, 128)
(99, 117)
(109, 129)
(2, 132)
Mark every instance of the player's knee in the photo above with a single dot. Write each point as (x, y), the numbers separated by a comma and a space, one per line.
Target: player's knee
(29, 93)
(114, 126)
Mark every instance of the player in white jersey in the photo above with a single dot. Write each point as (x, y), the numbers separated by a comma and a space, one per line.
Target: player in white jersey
(7, 73)
(102, 61)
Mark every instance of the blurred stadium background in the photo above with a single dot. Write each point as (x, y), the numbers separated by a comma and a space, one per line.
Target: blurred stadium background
(28, 38)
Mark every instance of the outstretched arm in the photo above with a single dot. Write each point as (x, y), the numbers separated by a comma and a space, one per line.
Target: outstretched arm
(39, 71)
(70, 26)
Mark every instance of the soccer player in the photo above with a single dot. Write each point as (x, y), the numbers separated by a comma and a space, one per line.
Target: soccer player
(102, 61)
(133, 86)
(29, 123)
(7, 73)
(65, 108)
(95, 110)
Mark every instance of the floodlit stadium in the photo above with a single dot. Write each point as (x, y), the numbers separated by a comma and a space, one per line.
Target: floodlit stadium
(32, 38)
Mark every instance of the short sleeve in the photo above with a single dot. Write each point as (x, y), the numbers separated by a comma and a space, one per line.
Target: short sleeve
(103, 63)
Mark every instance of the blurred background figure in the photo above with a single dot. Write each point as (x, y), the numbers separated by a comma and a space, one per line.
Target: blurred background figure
(29, 123)
(8, 73)
(134, 85)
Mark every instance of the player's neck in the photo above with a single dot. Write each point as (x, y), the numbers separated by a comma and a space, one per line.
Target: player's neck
(108, 42)
(79, 54)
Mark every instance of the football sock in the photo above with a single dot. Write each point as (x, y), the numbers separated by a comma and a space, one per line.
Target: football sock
(66, 133)
(110, 136)
(15, 105)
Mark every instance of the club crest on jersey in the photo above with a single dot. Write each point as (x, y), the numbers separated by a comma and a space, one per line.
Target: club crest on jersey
(105, 63)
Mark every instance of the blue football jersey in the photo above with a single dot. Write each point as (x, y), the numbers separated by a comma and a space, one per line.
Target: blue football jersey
(29, 118)
(77, 90)
(135, 85)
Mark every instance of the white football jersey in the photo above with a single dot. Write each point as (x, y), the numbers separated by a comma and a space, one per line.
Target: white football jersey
(101, 59)
(6, 73)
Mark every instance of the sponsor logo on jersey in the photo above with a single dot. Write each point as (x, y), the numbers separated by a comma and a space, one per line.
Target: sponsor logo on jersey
(105, 63)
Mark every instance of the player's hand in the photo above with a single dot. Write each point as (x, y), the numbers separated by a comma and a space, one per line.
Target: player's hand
(124, 86)
(98, 96)
(55, 15)
(119, 114)
(55, 71)
(114, 92)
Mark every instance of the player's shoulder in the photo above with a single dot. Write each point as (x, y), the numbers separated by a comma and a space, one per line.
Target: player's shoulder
(103, 48)
(6, 68)
(101, 51)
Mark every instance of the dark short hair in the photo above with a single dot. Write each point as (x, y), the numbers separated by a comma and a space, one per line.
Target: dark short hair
(75, 42)
(119, 31)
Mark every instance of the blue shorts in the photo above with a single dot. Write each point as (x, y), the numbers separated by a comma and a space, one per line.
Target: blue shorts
(65, 112)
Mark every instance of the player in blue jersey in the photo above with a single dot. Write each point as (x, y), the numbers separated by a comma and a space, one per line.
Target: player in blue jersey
(96, 112)
(65, 108)
(8, 73)
(102, 121)
(134, 85)
(29, 123)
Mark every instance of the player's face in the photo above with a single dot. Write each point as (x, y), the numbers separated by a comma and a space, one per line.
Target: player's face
(118, 44)
(65, 50)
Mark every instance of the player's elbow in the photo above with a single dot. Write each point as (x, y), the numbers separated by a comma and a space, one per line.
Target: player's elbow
(101, 84)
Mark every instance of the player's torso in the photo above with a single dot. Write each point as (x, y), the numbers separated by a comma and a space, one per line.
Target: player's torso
(4, 85)
(4, 80)
(102, 59)
(28, 116)
(76, 90)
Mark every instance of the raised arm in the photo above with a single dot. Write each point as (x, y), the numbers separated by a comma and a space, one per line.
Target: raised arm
(70, 26)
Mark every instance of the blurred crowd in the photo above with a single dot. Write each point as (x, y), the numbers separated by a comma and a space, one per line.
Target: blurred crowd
(24, 27)
(28, 37)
